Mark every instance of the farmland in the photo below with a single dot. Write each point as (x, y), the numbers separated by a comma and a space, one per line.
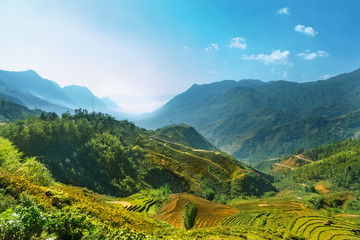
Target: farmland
(317, 227)
(210, 214)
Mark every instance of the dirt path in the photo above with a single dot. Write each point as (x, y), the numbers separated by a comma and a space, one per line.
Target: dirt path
(280, 165)
(300, 157)
(123, 203)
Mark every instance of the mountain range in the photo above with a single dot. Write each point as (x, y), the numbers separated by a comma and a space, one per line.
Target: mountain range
(251, 119)
(29, 89)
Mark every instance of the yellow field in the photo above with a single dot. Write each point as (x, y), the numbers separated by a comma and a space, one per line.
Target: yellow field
(210, 214)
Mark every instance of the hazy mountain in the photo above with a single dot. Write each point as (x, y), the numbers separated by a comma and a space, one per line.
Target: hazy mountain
(33, 91)
(83, 98)
(231, 114)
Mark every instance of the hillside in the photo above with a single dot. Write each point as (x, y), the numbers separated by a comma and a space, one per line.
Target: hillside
(116, 157)
(234, 115)
(11, 112)
(337, 164)
(33, 91)
(185, 135)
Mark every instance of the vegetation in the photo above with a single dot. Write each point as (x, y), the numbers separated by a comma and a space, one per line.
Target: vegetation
(337, 163)
(185, 135)
(116, 157)
(190, 213)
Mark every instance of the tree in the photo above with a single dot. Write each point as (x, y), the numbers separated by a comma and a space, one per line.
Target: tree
(191, 211)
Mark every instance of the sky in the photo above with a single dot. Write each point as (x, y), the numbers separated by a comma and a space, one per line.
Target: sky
(141, 53)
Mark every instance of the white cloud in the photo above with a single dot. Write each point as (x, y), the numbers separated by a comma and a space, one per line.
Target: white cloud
(285, 74)
(308, 55)
(212, 47)
(326, 76)
(276, 57)
(238, 42)
(186, 48)
(283, 11)
(306, 30)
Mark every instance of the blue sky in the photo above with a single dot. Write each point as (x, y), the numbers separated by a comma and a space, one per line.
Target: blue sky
(143, 52)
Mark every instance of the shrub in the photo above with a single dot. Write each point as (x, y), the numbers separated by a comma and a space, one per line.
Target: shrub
(269, 194)
(353, 206)
(209, 194)
(70, 226)
(316, 203)
(221, 198)
(25, 223)
(310, 189)
(36, 172)
(191, 211)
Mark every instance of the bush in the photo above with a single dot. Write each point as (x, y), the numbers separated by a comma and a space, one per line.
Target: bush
(209, 194)
(316, 203)
(25, 223)
(69, 225)
(191, 211)
(353, 206)
(310, 189)
(221, 198)
(269, 194)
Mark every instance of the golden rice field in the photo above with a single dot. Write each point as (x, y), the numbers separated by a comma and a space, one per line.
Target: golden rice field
(210, 214)
(317, 227)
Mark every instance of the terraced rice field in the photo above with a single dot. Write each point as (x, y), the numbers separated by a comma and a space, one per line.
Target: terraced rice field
(145, 205)
(210, 214)
(313, 227)
(140, 206)
(245, 219)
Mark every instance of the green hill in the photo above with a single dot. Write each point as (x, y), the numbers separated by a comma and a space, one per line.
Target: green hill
(238, 117)
(185, 135)
(337, 163)
(116, 157)
(11, 112)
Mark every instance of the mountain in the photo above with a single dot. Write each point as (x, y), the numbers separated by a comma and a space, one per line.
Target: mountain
(233, 115)
(82, 97)
(30, 82)
(31, 90)
(116, 157)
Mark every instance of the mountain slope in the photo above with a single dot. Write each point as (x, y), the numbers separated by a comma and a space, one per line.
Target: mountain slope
(116, 157)
(229, 113)
(30, 82)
